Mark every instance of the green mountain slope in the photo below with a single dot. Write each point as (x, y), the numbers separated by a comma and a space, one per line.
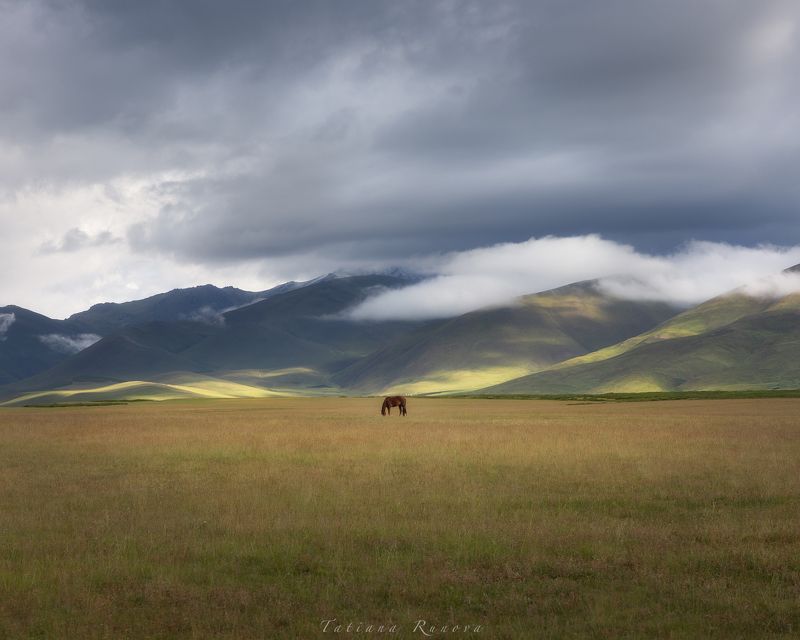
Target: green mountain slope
(134, 353)
(31, 343)
(714, 313)
(297, 329)
(734, 341)
(301, 328)
(491, 345)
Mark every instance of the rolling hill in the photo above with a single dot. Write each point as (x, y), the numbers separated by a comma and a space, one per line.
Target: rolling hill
(497, 344)
(187, 388)
(735, 341)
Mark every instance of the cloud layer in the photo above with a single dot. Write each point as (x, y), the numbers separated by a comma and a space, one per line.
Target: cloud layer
(69, 344)
(496, 275)
(76, 239)
(153, 144)
(6, 320)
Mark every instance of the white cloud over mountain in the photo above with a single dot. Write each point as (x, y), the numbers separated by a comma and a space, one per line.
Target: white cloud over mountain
(496, 275)
(6, 320)
(69, 344)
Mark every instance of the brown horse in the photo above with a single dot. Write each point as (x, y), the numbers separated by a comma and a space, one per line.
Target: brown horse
(393, 401)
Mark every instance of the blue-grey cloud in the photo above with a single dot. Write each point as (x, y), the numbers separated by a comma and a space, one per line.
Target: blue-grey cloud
(375, 130)
(76, 239)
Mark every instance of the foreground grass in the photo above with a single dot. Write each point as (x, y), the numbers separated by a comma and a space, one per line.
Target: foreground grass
(535, 519)
(636, 396)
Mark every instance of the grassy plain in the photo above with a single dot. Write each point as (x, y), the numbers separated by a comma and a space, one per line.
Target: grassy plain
(260, 518)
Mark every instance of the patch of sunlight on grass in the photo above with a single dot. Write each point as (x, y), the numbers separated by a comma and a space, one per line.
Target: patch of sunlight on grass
(709, 316)
(225, 389)
(601, 354)
(681, 330)
(272, 373)
(632, 384)
(458, 380)
(584, 306)
(143, 390)
(792, 301)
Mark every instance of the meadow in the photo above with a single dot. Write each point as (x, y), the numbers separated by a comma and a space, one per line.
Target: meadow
(265, 517)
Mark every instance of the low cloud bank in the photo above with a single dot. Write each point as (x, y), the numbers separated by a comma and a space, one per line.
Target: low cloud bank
(216, 317)
(69, 344)
(496, 275)
(208, 315)
(6, 320)
(76, 239)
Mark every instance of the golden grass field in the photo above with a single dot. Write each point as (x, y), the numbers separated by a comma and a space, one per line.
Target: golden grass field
(261, 518)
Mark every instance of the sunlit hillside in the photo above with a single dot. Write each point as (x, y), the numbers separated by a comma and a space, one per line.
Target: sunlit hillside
(734, 341)
(496, 344)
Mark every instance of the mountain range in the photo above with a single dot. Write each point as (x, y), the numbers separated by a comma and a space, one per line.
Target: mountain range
(298, 338)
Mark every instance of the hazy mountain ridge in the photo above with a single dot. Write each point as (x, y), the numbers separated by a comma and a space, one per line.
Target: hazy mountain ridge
(298, 338)
(295, 326)
(204, 303)
(31, 343)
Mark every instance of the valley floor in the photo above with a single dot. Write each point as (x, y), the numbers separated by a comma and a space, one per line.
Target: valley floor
(263, 518)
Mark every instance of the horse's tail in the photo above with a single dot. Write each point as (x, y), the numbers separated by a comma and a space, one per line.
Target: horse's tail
(383, 408)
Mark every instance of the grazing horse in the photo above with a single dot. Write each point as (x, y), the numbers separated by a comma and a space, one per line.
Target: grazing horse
(393, 401)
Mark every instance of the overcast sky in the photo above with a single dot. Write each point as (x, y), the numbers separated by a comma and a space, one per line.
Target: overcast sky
(153, 144)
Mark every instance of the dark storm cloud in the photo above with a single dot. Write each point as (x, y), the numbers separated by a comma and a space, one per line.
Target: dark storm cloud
(381, 129)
